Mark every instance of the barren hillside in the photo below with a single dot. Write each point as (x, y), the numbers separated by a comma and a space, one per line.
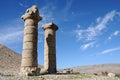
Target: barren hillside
(114, 68)
(9, 60)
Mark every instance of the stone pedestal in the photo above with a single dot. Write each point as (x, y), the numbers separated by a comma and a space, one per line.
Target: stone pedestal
(50, 47)
(29, 64)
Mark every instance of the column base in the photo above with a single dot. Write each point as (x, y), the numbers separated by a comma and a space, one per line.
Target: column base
(30, 71)
(47, 71)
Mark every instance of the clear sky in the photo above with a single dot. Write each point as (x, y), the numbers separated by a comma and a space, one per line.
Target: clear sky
(89, 30)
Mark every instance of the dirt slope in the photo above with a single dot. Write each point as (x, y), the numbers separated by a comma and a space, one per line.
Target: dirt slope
(9, 60)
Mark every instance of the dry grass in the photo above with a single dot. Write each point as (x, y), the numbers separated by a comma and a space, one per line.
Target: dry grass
(58, 77)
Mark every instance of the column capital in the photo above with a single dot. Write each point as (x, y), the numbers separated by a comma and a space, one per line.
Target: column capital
(32, 13)
(50, 26)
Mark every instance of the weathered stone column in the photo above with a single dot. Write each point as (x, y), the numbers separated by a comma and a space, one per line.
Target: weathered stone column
(29, 64)
(50, 47)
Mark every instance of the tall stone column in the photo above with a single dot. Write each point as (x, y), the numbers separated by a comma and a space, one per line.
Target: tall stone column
(29, 64)
(50, 47)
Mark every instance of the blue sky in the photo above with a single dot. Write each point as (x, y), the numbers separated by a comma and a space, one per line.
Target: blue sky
(89, 30)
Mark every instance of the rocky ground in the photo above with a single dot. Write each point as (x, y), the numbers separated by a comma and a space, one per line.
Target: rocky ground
(57, 77)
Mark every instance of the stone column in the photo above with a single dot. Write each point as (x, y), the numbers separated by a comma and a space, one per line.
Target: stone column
(50, 47)
(29, 64)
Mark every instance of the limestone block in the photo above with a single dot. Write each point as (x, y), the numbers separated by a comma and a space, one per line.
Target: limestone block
(30, 22)
(32, 13)
(29, 62)
(33, 27)
(29, 30)
(30, 38)
(29, 53)
(30, 45)
(49, 32)
(50, 26)
(30, 71)
(111, 75)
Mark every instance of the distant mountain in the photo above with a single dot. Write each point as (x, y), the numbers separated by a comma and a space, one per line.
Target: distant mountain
(114, 68)
(9, 60)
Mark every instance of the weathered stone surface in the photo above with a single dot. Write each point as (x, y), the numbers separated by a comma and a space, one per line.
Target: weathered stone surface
(50, 47)
(29, 53)
(30, 71)
(30, 22)
(50, 26)
(30, 38)
(111, 75)
(29, 61)
(30, 45)
(29, 64)
(31, 16)
(33, 27)
(30, 30)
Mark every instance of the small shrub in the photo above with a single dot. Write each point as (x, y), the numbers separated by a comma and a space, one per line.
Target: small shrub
(104, 73)
(117, 75)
